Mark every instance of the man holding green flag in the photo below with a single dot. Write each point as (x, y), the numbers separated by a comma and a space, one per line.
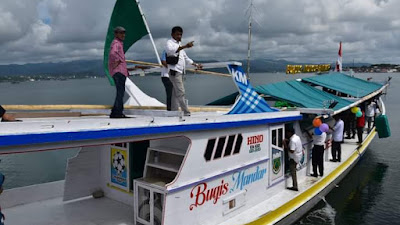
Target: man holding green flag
(126, 15)
(118, 70)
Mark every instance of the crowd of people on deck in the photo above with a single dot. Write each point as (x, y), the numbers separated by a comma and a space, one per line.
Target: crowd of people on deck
(346, 123)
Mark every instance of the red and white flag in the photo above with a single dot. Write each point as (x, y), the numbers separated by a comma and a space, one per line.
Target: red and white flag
(339, 61)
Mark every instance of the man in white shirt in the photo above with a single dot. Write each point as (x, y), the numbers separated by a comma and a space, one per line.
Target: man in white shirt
(176, 70)
(337, 139)
(295, 152)
(318, 154)
(370, 113)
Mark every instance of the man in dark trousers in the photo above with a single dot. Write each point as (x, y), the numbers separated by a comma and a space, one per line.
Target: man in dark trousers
(350, 124)
(295, 151)
(118, 70)
(165, 79)
(318, 154)
(337, 139)
(360, 127)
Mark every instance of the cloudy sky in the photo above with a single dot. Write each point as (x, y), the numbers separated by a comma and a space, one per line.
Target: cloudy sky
(296, 30)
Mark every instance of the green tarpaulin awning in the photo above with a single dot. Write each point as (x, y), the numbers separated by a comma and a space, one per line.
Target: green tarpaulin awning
(294, 92)
(302, 95)
(345, 84)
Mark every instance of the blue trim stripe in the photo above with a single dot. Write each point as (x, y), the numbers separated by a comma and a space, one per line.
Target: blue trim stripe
(46, 138)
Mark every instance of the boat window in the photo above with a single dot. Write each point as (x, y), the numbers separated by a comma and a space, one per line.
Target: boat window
(209, 149)
(280, 137)
(224, 146)
(238, 144)
(277, 136)
(228, 149)
(220, 147)
(274, 137)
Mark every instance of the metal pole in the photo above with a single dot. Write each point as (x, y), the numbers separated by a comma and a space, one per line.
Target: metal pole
(249, 42)
(148, 30)
(249, 53)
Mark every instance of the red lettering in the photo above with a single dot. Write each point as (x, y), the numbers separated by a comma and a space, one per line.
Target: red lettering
(202, 194)
(225, 188)
(216, 194)
(210, 193)
(255, 139)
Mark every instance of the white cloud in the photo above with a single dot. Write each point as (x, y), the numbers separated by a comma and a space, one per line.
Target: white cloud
(302, 30)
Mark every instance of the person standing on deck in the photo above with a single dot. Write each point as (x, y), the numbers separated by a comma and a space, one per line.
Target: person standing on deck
(337, 139)
(318, 154)
(4, 116)
(176, 68)
(118, 70)
(360, 127)
(350, 125)
(295, 151)
(370, 114)
(165, 79)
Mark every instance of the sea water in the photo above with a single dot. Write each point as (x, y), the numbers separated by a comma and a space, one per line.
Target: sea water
(369, 194)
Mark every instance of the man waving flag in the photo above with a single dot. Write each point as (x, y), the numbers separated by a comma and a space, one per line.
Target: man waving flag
(126, 14)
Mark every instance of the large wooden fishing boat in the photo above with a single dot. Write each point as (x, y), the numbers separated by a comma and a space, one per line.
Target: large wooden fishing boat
(220, 166)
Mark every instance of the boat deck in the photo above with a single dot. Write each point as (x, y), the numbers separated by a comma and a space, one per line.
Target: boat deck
(89, 211)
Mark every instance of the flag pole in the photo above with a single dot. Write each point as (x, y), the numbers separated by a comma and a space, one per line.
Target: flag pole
(249, 41)
(148, 30)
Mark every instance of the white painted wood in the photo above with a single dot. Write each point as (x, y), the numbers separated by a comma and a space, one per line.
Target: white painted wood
(82, 176)
(54, 211)
(195, 167)
(94, 123)
(176, 142)
(169, 150)
(29, 194)
(148, 205)
(164, 166)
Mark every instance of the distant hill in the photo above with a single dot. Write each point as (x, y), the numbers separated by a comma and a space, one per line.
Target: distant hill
(95, 67)
(267, 65)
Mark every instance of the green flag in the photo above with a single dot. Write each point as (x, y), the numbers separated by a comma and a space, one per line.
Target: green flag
(126, 14)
